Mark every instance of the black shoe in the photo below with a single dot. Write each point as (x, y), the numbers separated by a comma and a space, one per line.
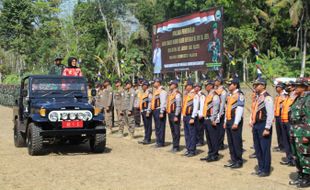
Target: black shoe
(252, 156)
(205, 158)
(199, 144)
(158, 146)
(256, 173)
(229, 165)
(263, 174)
(305, 182)
(222, 147)
(174, 150)
(213, 159)
(276, 149)
(294, 182)
(144, 142)
(191, 155)
(286, 163)
(236, 166)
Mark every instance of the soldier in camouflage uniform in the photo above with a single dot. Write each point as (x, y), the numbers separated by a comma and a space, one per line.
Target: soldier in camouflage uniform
(127, 109)
(57, 68)
(300, 133)
(118, 96)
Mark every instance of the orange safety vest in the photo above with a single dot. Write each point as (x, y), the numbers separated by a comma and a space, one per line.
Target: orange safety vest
(278, 105)
(171, 103)
(208, 106)
(144, 100)
(156, 99)
(231, 106)
(286, 106)
(259, 112)
(188, 104)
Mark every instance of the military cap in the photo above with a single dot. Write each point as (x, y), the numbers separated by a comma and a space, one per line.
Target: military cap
(302, 82)
(209, 81)
(260, 81)
(146, 83)
(176, 82)
(280, 85)
(128, 82)
(58, 58)
(233, 81)
(158, 80)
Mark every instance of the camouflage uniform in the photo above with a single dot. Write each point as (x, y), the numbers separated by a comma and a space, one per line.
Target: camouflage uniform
(118, 97)
(127, 111)
(300, 128)
(56, 69)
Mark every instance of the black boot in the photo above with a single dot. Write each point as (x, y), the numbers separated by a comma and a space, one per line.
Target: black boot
(305, 182)
(297, 180)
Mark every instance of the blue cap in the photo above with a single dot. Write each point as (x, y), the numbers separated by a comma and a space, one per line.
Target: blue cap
(233, 81)
(146, 83)
(128, 82)
(281, 85)
(157, 80)
(209, 81)
(176, 82)
(260, 81)
(189, 82)
(218, 78)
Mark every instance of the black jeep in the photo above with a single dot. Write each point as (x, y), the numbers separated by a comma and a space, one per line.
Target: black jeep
(53, 109)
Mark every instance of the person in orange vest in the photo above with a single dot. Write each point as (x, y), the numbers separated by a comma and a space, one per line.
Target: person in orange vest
(278, 104)
(146, 112)
(222, 93)
(261, 120)
(286, 108)
(159, 104)
(189, 112)
(200, 128)
(72, 69)
(233, 123)
(253, 98)
(174, 114)
(210, 111)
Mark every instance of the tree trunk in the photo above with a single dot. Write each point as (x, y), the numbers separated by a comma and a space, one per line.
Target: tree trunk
(245, 60)
(304, 54)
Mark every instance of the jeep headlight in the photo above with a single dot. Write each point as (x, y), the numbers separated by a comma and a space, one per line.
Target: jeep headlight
(82, 116)
(53, 116)
(72, 116)
(88, 115)
(64, 116)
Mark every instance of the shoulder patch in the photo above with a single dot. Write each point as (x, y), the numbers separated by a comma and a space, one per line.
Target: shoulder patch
(241, 97)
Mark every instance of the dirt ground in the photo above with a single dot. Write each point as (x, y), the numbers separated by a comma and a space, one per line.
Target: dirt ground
(128, 165)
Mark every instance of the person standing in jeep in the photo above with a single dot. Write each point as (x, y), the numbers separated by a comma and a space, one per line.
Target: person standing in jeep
(57, 68)
(72, 69)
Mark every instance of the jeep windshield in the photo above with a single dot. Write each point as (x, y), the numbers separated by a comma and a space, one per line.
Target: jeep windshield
(65, 87)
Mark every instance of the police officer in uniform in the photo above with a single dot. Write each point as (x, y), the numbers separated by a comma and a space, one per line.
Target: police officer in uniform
(234, 122)
(278, 104)
(210, 111)
(128, 108)
(146, 112)
(300, 134)
(174, 114)
(189, 112)
(261, 120)
(159, 104)
(286, 127)
(118, 96)
(136, 112)
(200, 119)
(222, 93)
(104, 100)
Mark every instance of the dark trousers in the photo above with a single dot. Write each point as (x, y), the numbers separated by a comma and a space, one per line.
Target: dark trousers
(175, 129)
(147, 121)
(286, 141)
(137, 117)
(222, 131)
(213, 134)
(190, 134)
(279, 129)
(234, 138)
(200, 131)
(160, 127)
(262, 147)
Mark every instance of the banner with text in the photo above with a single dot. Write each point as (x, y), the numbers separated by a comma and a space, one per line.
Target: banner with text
(191, 42)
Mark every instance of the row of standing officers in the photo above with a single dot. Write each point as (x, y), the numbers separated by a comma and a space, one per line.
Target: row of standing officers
(207, 112)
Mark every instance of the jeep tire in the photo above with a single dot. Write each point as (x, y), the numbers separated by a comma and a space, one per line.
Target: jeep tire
(19, 139)
(34, 140)
(98, 142)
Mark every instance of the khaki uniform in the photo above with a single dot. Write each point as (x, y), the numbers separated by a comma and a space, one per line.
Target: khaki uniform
(127, 111)
(136, 113)
(118, 97)
(105, 101)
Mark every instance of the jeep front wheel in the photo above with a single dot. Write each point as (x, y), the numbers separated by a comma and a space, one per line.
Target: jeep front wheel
(34, 140)
(19, 139)
(98, 142)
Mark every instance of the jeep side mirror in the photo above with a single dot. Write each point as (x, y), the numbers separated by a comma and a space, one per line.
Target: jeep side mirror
(93, 92)
(24, 93)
